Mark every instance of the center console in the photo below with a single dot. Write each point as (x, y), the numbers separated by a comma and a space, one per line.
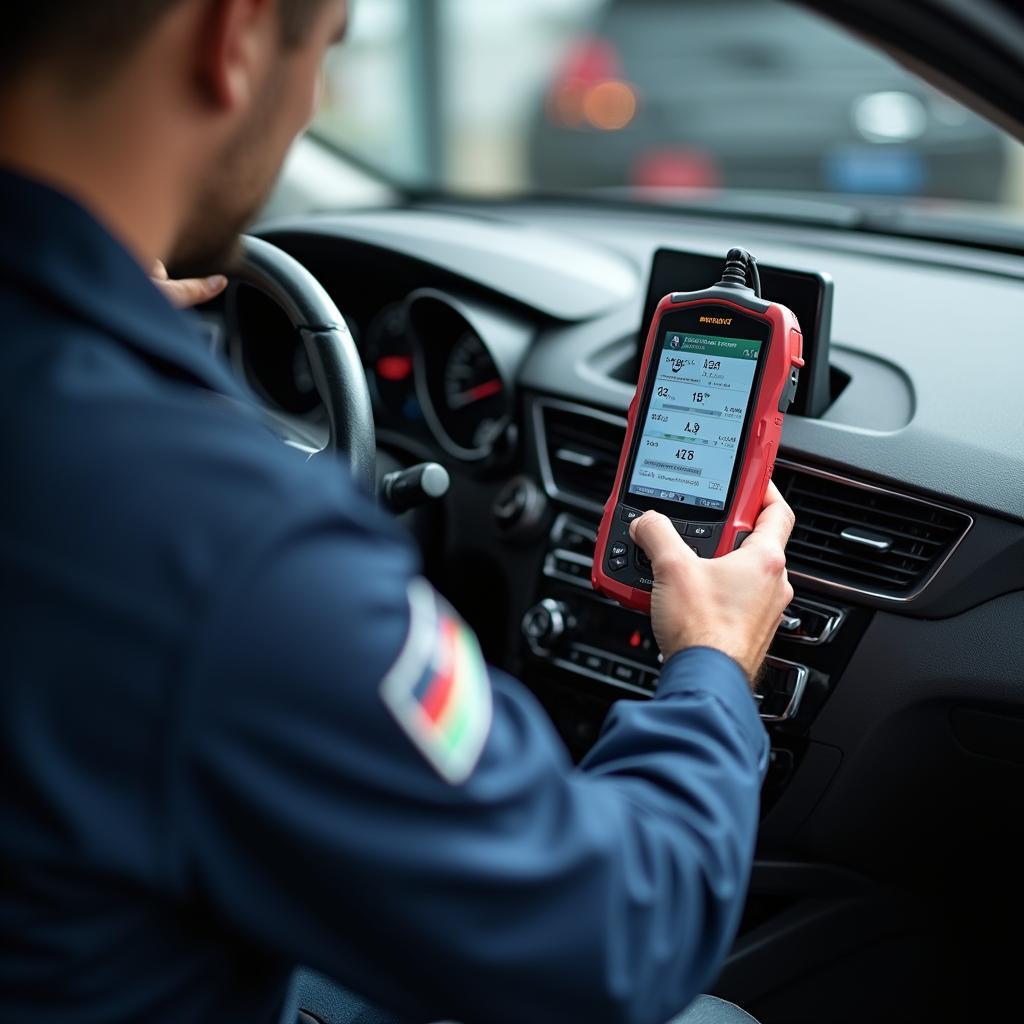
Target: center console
(586, 644)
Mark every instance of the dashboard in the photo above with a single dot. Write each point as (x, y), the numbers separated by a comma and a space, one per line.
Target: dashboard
(500, 340)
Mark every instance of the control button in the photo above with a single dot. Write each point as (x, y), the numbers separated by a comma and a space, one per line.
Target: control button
(617, 564)
(649, 681)
(577, 570)
(699, 530)
(520, 509)
(626, 673)
(544, 624)
(618, 550)
(699, 552)
(629, 514)
(594, 663)
(643, 562)
(740, 538)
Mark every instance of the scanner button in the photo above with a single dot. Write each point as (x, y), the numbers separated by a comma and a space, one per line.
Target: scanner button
(699, 530)
(617, 564)
(629, 514)
(618, 550)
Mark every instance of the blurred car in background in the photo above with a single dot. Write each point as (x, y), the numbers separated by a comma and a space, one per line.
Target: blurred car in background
(771, 99)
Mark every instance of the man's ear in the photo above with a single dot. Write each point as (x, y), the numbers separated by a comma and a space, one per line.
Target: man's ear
(237, 44)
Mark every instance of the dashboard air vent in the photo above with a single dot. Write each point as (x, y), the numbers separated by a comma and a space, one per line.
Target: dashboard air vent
(579, 453)
(865, 537)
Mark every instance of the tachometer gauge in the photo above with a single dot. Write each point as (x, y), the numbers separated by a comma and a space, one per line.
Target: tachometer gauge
(388, 359)
(466, 357)
(474, 395)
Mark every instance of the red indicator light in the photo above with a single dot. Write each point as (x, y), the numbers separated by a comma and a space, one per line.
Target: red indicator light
(394, 368)
(636, 639)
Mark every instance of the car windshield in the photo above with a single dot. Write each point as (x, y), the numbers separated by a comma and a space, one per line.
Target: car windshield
(641, 98)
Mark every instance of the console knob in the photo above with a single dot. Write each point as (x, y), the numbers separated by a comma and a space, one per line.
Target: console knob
(544, 624)
(520, 510)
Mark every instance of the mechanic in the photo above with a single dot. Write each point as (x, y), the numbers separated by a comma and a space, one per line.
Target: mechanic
(239, 731)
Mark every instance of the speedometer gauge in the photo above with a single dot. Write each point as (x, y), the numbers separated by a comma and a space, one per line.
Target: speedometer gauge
(387, 357)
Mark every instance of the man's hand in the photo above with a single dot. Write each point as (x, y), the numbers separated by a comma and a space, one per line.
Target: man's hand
(192, 292)
(733, 603)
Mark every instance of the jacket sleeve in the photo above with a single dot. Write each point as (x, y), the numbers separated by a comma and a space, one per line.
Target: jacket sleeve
(498, 883)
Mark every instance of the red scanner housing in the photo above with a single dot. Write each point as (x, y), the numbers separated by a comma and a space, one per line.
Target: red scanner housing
(715, 532)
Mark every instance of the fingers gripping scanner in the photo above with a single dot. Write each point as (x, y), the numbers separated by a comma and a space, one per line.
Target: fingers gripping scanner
(719, 371)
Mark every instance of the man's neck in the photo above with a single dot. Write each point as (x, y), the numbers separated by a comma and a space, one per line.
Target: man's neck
(72, 147)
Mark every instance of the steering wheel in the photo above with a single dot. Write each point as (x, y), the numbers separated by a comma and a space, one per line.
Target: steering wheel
(333, 358)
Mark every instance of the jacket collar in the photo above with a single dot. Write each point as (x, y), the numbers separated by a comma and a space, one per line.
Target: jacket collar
(53, 247)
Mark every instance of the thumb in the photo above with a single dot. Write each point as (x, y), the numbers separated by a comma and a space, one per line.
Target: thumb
(658, 537)
(192, 292)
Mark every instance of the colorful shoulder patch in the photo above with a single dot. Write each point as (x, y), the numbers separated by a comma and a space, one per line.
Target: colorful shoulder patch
(438, 690)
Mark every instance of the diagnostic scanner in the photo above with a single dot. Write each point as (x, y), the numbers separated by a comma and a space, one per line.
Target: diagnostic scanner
(719, 371)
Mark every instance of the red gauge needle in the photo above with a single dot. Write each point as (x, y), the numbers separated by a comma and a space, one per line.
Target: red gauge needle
(477, 394)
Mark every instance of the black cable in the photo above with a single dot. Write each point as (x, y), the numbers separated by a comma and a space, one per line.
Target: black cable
(741, 271)
(755, 274)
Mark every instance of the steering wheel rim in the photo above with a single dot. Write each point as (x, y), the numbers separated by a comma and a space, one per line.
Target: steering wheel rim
(333, 357)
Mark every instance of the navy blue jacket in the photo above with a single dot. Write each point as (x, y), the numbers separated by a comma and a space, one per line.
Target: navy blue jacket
(224, 748)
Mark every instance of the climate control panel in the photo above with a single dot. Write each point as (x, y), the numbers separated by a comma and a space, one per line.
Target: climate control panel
(574, 630)
(588, 638)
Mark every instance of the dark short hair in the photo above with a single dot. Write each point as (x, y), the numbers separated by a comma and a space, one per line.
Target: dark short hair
(87, 37)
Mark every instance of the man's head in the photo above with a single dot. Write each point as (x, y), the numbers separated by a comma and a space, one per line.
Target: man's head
(202, 98)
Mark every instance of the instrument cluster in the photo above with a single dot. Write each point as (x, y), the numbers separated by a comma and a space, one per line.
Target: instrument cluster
(447, 365)
(439, 367)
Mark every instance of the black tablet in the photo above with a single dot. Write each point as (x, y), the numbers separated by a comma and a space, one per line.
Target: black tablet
(808, 294)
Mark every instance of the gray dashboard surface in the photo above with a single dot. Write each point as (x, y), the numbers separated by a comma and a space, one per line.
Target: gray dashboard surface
(550, 272)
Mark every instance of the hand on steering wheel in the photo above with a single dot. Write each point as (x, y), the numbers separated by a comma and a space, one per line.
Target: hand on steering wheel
(193, 291)
(333, 358)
